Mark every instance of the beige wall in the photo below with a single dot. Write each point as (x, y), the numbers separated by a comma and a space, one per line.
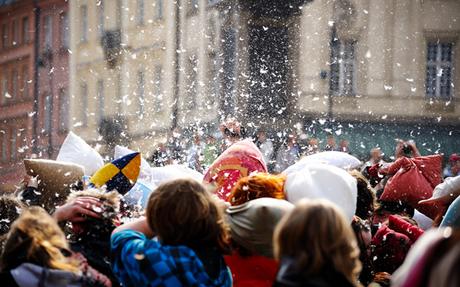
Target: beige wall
(147, 47)
(391, 51)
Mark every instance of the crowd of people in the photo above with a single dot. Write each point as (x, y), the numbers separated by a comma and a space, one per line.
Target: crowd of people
(378, 224)
(204, 147)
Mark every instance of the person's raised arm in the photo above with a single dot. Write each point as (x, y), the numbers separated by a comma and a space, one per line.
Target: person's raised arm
(78, 209)
(139, 225)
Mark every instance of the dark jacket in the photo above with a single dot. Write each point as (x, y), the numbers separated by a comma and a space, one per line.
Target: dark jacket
(289, 276)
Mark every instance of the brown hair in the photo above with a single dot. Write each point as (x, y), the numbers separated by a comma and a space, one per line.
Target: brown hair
(317, 236)
(257, 186)
(366, 203)
(182, 212)
(36, 238)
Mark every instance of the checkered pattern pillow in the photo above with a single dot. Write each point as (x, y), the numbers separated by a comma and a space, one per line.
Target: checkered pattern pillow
(120, 175)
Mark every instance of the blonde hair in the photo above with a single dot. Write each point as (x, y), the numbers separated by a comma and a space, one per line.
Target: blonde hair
(36, 238)
(257, 186)
(316, 235)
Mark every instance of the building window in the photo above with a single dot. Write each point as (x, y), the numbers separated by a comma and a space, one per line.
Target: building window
(4, 138)
(214, 79)
(84, 24)
(342, 78)
(100, 99)
(159, 9)
(140, 12)
(25, 82)
(4, 87)
(25, 30)
(5, 36)
(47, 113)
(63, 110)
(192, 85)
(158, 102)
(48, 32)
(100, 18)
(84, 104)
(15, 82)
(140, 93)
(15, 32)
(439, 70)
(14, 139)
(192, 7)
(64, 27)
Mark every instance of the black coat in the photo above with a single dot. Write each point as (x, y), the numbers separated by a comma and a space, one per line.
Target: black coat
(289, 276)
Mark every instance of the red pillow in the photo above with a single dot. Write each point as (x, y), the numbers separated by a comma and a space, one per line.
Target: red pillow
(389, 249)
(400, 225)
(239, 160)
(413, 180)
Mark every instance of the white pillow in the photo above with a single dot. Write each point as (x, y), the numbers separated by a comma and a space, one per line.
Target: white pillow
(75, 150)
(323, 181)
(334, 158)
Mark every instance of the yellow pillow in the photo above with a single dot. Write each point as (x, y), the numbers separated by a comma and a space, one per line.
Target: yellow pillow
(120, 175)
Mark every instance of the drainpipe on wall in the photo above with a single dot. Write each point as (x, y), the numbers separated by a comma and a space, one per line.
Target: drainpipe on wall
(36, 84)
(175, 111)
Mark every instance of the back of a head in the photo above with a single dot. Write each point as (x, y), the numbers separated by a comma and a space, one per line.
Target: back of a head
(36, 238)
(317, 236)
(366, 201)
(257, 186)
(182, 212)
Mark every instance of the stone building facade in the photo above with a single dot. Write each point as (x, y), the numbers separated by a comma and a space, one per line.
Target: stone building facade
(366, 71)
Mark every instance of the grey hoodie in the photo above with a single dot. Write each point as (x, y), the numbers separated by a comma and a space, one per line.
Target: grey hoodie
(31, 275)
